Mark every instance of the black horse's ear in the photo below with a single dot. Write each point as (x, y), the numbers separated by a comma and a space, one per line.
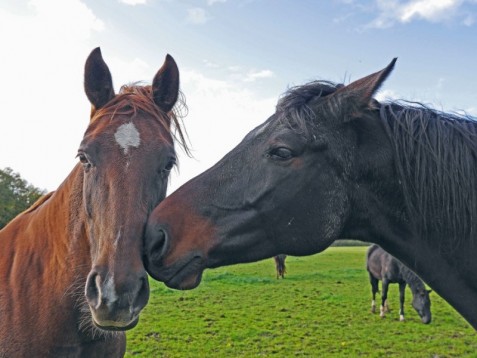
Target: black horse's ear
(165, 86)
(365, 87)
(359, 94)
(98, 83)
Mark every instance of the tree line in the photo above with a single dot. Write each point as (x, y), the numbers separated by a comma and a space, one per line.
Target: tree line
(16, 195)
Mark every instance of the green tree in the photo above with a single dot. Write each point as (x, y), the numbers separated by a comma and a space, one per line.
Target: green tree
(16, 195)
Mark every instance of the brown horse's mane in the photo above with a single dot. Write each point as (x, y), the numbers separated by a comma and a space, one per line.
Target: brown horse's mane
(39, 202)
(134, 98)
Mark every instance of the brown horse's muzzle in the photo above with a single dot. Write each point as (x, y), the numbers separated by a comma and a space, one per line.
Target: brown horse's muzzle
(114, 303)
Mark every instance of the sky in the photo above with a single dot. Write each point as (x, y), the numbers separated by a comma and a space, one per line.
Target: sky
(235, 57)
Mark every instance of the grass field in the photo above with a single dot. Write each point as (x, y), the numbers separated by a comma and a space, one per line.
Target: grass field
(321, 309)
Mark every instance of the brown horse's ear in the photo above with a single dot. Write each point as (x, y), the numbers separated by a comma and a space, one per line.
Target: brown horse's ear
(165, 86)
(358, 95)
(98, 83)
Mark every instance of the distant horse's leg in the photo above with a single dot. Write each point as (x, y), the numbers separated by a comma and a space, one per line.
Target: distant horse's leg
(384, 298)
(277, 266)
(402, 290)
(374, 288)
(280, 265)
(283, 269)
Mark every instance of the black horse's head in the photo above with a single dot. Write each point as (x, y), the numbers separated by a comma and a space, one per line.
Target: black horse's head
(288, 187)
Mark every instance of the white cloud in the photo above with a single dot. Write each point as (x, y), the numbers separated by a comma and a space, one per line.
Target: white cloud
(212, 2)
(126, 72)
(238, 73)
(254, 75)
(197, 16)
(234, 68)
(470, 111)
(386, 94)
(210, 64)
(44, 108)
(395, 11)
(45, 111)
(431, 10)
(133, 2)
(221, 113)
(469, 20)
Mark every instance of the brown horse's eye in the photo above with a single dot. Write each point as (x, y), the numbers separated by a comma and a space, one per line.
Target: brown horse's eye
(84, 160)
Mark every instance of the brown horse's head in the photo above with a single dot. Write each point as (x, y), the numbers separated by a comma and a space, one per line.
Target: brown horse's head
(127, 153)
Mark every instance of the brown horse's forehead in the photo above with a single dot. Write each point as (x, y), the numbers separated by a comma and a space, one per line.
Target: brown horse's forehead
(128, 134)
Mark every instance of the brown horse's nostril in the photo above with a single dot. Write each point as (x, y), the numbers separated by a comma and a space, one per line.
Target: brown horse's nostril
(92, 290)
(156, 245)
(142, 295)
(115, 300)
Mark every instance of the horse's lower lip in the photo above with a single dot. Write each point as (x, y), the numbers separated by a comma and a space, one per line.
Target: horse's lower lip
(188, 276)
(128, 326)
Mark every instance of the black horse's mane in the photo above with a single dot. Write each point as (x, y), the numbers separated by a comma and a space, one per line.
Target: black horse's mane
(294, 108)
(435, 157)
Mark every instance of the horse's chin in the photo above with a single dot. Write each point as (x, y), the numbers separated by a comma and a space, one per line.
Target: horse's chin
(184, 274)
(185, 281)
(116, 326)
(426, 320)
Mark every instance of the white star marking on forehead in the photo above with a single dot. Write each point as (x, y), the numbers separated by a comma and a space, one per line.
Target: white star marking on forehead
(127, 136)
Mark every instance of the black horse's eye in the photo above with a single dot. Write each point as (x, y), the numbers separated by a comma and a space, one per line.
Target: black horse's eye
(170, 164)
(280, 153)
(84, 160)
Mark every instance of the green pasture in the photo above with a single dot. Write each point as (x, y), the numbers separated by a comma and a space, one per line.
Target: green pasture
(320, 309)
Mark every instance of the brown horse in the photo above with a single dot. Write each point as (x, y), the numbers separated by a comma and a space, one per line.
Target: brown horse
(71, 266)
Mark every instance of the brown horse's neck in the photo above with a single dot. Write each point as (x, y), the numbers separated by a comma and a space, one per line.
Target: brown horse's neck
(45, 250)
(61, 219)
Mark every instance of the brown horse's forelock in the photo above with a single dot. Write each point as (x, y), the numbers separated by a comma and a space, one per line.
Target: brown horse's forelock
(435, 157)
(133, 98)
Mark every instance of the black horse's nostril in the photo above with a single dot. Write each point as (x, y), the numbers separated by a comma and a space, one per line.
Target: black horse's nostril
(156, 245)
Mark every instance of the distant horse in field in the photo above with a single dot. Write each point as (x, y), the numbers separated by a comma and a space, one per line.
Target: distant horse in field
(383, 267)
(71, 271)
(280, 265)
(333, 162)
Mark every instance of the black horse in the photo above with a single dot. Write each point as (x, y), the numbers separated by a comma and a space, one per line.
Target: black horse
(333, 162)
(384, 267)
